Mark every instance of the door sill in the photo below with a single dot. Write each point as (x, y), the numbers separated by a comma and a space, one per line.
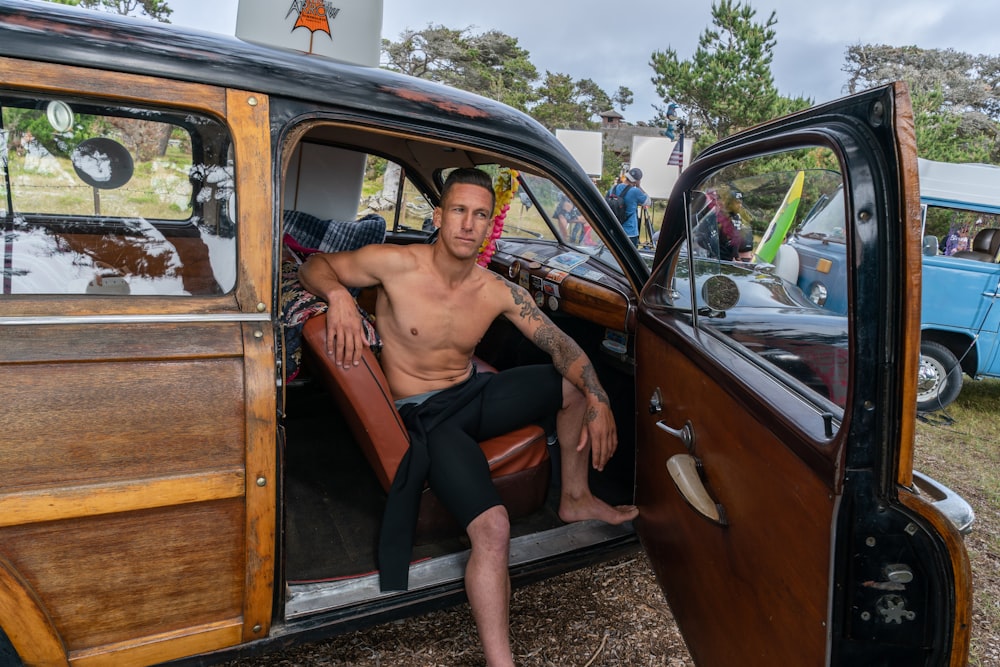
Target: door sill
(312, 598)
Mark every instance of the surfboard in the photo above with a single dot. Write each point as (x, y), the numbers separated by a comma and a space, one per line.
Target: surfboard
(775, 233)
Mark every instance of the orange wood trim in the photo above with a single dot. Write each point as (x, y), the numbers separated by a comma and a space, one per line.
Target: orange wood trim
(595, 303)
(56, 79)
(261, 481)
(25, 622)
(26, 305)
(249, 117)
(909, 282)
(962, 574)
(95, 499)
(159, 648)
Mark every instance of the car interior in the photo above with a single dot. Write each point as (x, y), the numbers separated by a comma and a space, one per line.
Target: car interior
(343, 436)
(985, 246)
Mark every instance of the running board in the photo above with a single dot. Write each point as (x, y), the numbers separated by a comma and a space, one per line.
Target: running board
(308, 599)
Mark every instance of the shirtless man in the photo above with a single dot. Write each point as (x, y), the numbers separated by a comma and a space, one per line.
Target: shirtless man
(434, 305)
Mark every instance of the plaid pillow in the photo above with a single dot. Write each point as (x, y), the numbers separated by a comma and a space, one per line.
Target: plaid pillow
(310, 234)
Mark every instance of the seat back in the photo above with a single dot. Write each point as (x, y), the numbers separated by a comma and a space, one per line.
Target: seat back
(363, 396)
(985, 246)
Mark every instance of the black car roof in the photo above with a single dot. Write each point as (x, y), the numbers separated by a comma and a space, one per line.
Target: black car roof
(59, 34)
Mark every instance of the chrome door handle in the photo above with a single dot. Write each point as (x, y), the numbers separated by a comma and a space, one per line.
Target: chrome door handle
(685, 433)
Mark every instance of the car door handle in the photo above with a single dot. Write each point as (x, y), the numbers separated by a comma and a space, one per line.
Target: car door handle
(684, 470)
(685, 433)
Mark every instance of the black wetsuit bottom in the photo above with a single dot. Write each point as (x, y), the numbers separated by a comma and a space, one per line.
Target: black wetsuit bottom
(459, 473)
(445, 431)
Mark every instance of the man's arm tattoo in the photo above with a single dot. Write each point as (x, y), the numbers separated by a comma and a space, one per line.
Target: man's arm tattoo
(523, 300)
(563, 349)
(565, 352)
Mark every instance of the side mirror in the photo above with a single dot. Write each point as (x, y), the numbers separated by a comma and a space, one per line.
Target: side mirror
(720, 292)
(930, 245)
(102, 163)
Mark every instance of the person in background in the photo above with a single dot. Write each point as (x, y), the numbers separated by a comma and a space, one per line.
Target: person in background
(631, 190)
(571, 222)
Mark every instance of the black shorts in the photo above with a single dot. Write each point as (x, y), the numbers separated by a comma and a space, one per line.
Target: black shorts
(459, 472)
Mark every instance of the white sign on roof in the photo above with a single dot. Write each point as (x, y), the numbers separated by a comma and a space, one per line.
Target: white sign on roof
(348, 30)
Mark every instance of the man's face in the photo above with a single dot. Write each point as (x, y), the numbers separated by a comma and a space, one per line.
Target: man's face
(465, 219)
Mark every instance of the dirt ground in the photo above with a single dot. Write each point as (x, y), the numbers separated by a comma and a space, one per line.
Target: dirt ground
(609, 614)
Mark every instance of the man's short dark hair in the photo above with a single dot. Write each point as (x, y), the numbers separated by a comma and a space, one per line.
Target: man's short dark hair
(469, 176)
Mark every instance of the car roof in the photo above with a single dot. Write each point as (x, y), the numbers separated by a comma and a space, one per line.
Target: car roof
(963, 184)
(69, 35)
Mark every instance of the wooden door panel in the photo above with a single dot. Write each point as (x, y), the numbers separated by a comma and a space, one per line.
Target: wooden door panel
(112, 578)
(124, 505)
(779, 561)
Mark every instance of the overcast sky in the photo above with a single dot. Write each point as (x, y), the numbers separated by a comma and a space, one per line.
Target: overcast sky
(612, 44)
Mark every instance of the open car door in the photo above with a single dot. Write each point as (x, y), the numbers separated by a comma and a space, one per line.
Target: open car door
(775, 478)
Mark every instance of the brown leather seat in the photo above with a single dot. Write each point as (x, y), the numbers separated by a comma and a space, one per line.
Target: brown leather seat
(519, 461)
(985, 246)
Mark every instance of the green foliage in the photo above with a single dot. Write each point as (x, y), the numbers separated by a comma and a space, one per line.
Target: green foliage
(568, 104)
(32, 123)
(727, 85)
(955, 109)
(492, 64)
(489, 64)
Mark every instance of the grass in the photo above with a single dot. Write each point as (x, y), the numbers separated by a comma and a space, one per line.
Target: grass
(960, 447)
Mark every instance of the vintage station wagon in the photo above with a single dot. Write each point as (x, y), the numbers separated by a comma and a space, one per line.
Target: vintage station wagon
(187, 478)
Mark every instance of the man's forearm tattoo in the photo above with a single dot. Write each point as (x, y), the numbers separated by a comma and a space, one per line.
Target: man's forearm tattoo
(565, 352)
(563, 349)
(593, 385)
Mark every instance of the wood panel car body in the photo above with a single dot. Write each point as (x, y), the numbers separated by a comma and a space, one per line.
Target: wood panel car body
(178, 486)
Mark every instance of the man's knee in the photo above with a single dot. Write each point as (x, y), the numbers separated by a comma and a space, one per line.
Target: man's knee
(491, 529)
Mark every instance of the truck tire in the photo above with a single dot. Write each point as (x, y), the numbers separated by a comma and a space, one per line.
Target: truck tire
(939, 377)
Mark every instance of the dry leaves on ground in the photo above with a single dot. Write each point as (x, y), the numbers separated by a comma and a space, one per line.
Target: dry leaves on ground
(606, 615)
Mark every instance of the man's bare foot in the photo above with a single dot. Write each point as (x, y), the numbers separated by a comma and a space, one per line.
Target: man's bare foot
(590, 507)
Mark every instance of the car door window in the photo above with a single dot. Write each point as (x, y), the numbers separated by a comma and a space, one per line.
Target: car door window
(100, 198)
(740, 280)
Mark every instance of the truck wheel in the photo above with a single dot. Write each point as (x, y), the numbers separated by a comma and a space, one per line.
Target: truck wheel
(939, 378)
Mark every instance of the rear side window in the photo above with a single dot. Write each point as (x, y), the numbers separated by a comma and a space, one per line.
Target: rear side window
(113, 200)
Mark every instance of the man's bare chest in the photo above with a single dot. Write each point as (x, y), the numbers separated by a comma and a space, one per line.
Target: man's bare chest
(435, 320)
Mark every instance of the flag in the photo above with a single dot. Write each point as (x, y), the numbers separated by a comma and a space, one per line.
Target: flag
(676, 158)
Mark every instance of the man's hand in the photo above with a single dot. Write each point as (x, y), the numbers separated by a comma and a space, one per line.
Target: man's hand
(599, 431)
(345, 337)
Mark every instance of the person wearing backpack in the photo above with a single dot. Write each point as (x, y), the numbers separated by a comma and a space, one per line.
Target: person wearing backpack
(625, 198)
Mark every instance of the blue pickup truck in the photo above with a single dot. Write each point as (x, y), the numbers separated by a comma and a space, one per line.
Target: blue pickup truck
(961, 274)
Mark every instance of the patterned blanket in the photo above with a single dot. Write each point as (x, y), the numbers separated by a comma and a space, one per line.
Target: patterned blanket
(304, 235)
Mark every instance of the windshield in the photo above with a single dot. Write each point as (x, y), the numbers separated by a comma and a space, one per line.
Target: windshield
(826, 219)
(542, 210)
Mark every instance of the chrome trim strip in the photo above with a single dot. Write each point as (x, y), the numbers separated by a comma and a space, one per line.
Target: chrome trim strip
(134, 319)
